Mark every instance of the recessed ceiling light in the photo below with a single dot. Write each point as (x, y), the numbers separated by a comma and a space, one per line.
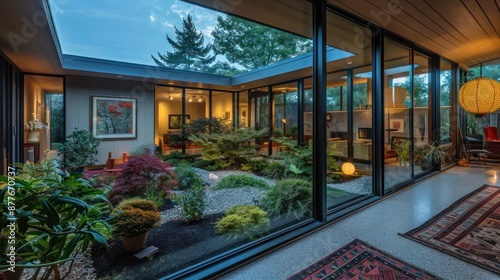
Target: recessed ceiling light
(170, 83)
(242, 86)
(119, 76)
(350, 62)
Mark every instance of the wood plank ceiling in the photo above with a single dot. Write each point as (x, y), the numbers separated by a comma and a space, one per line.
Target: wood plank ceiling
(465, 31)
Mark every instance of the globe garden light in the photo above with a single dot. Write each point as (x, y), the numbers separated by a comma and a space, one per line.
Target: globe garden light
(348, 168)
(480, 96)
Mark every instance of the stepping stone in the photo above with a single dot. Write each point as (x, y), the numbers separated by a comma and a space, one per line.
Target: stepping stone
(146, 252)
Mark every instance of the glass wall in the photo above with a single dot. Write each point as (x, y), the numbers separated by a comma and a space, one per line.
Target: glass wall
(285, 110)
(448, 120)
(349, 115)
(397, 105)
(281, 103)
(422, 134)
(243, 112)
(168, 118)
(270, 168)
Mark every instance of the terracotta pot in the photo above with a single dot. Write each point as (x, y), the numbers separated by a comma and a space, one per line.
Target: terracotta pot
(8, 275)
(134, 243)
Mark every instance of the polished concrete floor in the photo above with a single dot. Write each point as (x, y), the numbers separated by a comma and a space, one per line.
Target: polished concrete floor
(379, 225)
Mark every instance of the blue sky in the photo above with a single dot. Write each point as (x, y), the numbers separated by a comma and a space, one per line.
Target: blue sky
(124, 30)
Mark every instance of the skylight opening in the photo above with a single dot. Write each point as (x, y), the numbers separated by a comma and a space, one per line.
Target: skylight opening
(171, 34)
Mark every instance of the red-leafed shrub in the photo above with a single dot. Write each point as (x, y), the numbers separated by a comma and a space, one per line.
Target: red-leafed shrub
(141, 175)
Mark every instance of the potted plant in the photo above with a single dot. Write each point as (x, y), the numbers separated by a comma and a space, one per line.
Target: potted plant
(133, 219)
(403, 151)
(436, 154)
(79, 150)
(53, 222)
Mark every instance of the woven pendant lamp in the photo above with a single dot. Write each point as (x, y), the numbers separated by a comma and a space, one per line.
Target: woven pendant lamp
(480, 96)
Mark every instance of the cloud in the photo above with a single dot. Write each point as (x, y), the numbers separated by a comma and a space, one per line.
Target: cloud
(152, 17)
(167, 25)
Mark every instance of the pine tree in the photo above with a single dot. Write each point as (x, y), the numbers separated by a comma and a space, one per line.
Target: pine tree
(189, 50)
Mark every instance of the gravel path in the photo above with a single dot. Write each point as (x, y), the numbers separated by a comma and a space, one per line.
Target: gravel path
(218, 201)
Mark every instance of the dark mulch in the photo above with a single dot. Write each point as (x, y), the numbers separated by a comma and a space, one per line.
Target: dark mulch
(180, 244)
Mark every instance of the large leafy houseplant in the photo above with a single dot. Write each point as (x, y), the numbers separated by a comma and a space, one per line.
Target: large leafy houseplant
(50, 221)
(79, 149)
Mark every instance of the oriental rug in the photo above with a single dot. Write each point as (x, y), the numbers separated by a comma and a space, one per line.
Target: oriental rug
(469, 229)
(358, 260)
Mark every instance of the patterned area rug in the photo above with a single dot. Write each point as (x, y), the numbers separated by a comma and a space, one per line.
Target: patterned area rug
(469, 229)
(358, 260)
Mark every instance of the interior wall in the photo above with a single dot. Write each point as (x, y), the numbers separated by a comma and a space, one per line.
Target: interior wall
(78, 109)
(222, 103)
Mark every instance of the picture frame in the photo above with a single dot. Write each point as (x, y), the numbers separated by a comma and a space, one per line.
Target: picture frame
(397, 124)
(175, 121)
(114, 118)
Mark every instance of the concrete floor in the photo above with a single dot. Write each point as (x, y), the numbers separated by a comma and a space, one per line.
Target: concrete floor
(379, 225)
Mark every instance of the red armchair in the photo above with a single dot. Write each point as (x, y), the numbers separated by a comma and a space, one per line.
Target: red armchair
(491, 133)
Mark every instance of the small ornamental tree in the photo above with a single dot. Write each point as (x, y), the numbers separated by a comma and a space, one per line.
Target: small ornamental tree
(141, 174)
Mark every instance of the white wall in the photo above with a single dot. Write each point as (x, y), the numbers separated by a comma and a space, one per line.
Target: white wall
(78, 109)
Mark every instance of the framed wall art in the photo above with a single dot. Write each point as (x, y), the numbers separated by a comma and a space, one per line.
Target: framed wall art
(397, 124)
(114, 118)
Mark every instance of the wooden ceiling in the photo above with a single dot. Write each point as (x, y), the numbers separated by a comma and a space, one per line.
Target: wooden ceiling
(465, 31)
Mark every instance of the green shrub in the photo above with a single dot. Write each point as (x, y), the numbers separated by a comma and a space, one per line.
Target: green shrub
(44, 169)
(243, 220)
(290, 196)
(186, 176)
(254, 165)
(157, 196)
(228, 149)
(291, 159)
(275, 170)
(178, 157)
(201, 163)
(240, 181)
(135, 216)
(191, 203)
(79, 149)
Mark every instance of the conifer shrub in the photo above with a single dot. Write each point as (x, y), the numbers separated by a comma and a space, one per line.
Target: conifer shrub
(135, 216)
(289, 196)
(140, 174)
(254, 165)
(239, 181)
(244, 220)
(228, 149)
(175, 158)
